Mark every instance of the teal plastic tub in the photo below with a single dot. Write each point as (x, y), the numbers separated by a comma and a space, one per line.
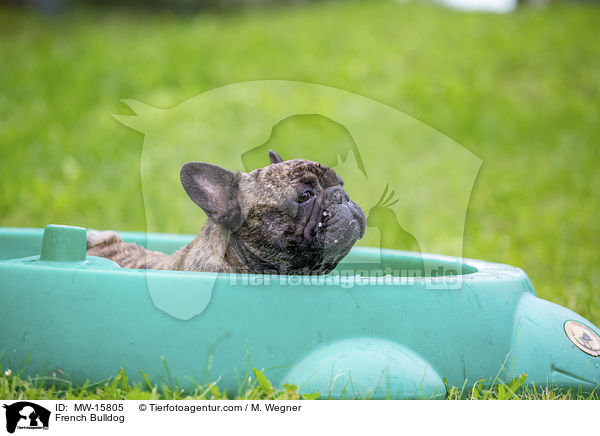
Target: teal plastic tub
(343, 335)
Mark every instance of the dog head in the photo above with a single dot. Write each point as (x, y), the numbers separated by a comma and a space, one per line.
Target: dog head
(291, 217)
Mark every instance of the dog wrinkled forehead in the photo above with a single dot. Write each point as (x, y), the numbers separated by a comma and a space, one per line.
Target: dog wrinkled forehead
(289, 173)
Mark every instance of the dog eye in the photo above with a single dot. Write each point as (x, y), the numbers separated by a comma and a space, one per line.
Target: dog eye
(305, 196)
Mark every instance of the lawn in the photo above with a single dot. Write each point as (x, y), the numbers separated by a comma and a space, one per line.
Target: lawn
(521, 91)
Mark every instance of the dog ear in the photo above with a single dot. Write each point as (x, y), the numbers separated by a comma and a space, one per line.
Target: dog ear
(215, 190)
(274, 157)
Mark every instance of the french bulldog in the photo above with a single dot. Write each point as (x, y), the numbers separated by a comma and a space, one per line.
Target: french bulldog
(290, 217)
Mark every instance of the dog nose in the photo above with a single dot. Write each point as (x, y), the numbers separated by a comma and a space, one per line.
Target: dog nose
(335, 194)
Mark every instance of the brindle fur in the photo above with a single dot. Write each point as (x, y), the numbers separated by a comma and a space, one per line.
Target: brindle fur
(254, 223)
(127, 255)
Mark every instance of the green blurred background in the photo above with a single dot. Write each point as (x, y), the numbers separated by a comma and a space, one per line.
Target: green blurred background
(520, 90)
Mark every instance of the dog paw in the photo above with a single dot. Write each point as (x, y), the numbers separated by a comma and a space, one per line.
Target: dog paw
(99, 238)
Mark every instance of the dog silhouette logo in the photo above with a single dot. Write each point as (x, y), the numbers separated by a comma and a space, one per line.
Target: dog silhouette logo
(26, 415)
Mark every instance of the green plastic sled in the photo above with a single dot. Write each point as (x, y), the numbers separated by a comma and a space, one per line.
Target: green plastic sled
(343, 335)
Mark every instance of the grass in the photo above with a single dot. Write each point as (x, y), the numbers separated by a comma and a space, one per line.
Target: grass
(521, 91)
(59, 386)
(253, 388)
